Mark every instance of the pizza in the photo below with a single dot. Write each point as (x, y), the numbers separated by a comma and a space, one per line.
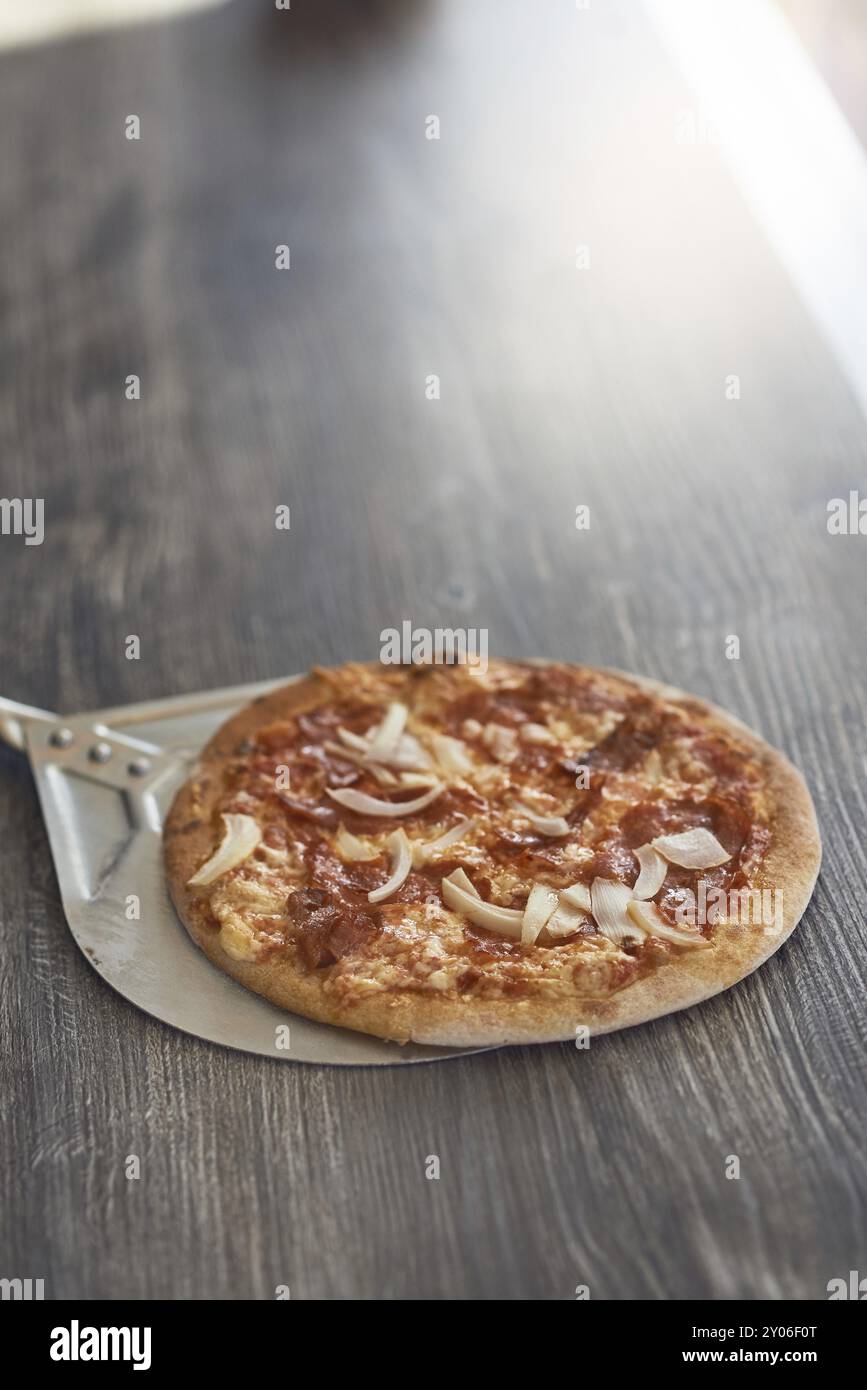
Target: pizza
(459, 856)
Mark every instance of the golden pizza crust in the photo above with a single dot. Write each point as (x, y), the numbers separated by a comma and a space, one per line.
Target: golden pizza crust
(791, 866)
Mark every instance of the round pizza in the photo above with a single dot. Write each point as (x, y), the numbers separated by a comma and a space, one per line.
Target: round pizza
(460, 856)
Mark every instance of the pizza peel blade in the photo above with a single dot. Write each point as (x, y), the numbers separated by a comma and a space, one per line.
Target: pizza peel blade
(105, 781)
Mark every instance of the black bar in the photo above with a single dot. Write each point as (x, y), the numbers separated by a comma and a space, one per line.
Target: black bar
(243, 1338)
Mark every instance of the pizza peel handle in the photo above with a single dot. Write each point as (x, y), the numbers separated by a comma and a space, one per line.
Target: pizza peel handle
(11, 715)
(86, 746)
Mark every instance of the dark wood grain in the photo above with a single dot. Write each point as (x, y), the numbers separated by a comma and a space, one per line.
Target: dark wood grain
(559, 387)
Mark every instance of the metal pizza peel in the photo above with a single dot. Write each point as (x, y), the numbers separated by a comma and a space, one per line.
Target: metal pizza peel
(105, 781)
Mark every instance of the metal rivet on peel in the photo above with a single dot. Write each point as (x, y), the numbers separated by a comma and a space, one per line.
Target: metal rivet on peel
(100, 752)
(138, 767)
(61, 738)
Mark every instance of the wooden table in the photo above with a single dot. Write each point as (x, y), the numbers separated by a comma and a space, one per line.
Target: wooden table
(560, 385)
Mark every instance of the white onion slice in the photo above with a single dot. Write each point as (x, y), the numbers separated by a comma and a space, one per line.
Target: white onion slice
(653, 868)
(353, 849)
(418, 779)
(371, 805)
(352, 740)
(503, 742)
(541, 904)
(460, 877)
(505, 921)
(610, 901)
(421, 852)
(553, 826)
(381, 774)
(692, 849)
(648, 916)
(565, 921)
(242, 835)
(401, 863)
(385, 740)
(577, 896)
(408, 754)
(451, 754)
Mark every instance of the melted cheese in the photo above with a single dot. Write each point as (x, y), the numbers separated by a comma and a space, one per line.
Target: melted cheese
(245, 907)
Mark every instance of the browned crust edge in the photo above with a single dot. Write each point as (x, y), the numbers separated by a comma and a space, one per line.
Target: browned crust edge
(791, 866)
